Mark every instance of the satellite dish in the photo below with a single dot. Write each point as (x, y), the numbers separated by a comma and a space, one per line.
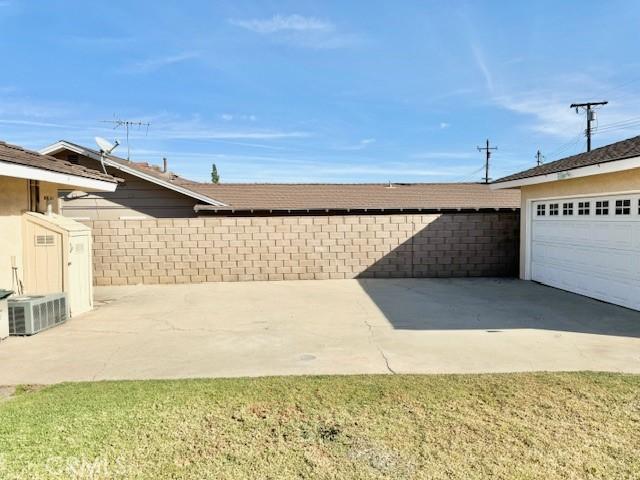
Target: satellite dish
(105, 149)
(105, 145)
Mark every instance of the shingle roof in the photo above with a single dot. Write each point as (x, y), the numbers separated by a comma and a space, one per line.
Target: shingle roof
(616, 151)
(406, 196)
(142, 167)
(334, 196)
(15, 154)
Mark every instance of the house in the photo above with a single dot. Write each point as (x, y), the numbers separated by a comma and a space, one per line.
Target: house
(158, 227)
(580, 222)
(146, 191)
(29, 184)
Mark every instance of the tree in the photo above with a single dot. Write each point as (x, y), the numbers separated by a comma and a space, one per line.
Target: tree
(215, 178)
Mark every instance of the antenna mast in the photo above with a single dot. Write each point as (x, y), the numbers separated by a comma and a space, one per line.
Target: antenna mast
(126, 124)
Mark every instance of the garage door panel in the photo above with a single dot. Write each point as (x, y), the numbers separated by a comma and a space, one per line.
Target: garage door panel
(589, 254)
(610, 264)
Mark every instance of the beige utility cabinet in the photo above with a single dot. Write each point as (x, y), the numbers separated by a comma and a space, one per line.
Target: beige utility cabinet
(57, 258)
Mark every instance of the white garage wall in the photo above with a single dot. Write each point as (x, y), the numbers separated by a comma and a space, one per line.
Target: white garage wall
(590, 251)
(610, 183)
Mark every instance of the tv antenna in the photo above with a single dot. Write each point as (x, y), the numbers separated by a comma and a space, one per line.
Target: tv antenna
(126, 124)
(106, 147)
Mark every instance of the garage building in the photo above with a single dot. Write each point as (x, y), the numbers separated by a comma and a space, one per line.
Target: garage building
(580, 223)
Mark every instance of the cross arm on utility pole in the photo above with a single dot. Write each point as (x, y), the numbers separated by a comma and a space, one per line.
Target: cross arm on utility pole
(588, 107)
(487, 151)
(587, 104)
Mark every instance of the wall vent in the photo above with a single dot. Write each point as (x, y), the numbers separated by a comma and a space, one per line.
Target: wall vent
(45, 240)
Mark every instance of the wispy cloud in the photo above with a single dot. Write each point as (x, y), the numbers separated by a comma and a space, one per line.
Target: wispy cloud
(361, 145)
(444, 125)
(228, 117)
(301, 31)
(279, 23)
(31, 123)
(250, 135)
(550, 113)
(152, 64)
(479, 58)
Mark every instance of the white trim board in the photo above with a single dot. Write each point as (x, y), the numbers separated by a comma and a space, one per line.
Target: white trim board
(34, 173)
(62, 145)
(597, 169)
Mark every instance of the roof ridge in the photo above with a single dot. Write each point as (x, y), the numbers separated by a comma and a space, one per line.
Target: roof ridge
(620, 150)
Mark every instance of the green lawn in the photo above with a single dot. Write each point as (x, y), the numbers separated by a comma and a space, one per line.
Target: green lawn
(439, 426)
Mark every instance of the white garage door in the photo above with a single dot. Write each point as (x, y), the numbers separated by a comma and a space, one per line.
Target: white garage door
(589, 246)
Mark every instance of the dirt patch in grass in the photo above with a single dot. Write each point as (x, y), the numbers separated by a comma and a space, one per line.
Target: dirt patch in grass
(569, 426)
(6, 391)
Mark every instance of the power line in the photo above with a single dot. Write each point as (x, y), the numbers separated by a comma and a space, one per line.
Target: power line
(469, 175)
(588, 107)
(626, 120)
(617, 126)
(487, 151)
(622, 127)
(565, 146)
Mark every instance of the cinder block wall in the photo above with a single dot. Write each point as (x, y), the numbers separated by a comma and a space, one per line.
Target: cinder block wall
(304, 247)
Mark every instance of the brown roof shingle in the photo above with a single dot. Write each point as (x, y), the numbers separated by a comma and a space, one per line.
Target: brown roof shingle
(616, 151)
(335, 196)
(405, 196)
(143, 167)
(15, 154)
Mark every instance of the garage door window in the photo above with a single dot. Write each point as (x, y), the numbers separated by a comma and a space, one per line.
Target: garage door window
(623, 207)
(567, 208)
(583, 208)
(602, 207)
(553, 209)
(541, 210)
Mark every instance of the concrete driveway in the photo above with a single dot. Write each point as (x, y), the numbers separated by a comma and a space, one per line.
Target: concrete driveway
(329, 326)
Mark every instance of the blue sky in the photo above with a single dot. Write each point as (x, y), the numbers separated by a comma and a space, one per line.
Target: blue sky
(309, 91)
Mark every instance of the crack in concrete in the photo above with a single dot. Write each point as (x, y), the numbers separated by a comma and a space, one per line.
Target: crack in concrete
(372, 338)
(380, 350)
(173, 328)
(106, 363)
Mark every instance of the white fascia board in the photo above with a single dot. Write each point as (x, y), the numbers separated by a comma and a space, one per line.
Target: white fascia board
(597, 169)
(59, 146)
(17, 170)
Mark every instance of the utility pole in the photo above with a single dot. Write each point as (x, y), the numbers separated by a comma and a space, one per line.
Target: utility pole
(126, 124)
(539, 158)
(487, 151)
(591, 116)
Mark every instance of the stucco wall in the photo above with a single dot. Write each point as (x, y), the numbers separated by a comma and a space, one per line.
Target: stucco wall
(14, 201)
(305, 247)
(619, 182)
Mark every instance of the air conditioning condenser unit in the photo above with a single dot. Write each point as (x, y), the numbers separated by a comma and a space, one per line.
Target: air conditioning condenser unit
(30, 314)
